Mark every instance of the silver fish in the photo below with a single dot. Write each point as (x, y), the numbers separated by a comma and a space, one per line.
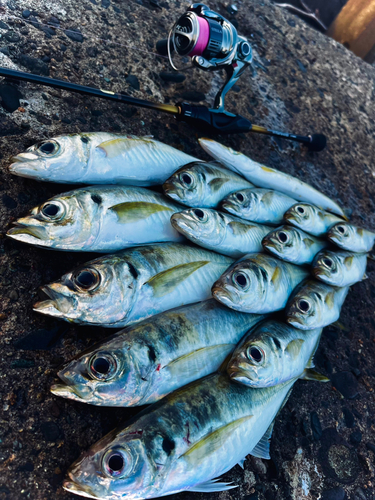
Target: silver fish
(99, 219)
(181, 443)
(100, 158)
(351, 238)
(146, 361)
(221, 232)
(258, 283)
(134, 284)
(339, 268)
(293, 245)
(273, 353)
(267, 177)
(311, 219)
(203, 184)
(265, 206)
(314, 305)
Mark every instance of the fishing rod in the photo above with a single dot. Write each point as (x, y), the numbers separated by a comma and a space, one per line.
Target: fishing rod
(213, 44)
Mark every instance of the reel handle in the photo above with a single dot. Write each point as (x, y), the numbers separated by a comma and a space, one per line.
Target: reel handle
(162, 47)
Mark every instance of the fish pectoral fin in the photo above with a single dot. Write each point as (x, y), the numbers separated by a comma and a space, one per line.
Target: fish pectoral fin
(209, 445)
(277, 277)
(310, 374)
(348, 261)
(294, 348)
(238, 228)
(217, 183)
(162, 283)
(308, 242)
(134, 211)
(262, 449)
(212, 485)
(330, 300)
(117, 147)
(192, 364)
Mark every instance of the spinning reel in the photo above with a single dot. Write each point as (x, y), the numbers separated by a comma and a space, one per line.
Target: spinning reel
(213, 44)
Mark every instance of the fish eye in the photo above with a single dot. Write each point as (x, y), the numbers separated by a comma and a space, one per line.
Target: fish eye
(301, 210)
(49, 148)
(282, 237)
(255, 354)
(327, 262)
(53, 211)
(117, 463)
(187, 179)
(87, 279)
(240, 197)
(103, 366)
(202, 216)
(341, 229)
(304, 306)
(240, 279)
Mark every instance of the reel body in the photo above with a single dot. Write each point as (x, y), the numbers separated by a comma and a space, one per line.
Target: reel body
(213, 44)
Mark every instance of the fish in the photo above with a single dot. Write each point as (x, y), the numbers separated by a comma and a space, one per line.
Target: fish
(183, 442)
(351, 238)
(220, 232)
(258, 283)
(100, 158)
(311, 219)
(314, 304)
(146, 361)
(134, 284)
(203, 184)
(293, 245)
(273, 353)
(266, 177)
(99, 219)
(265, 206)
(339, 268)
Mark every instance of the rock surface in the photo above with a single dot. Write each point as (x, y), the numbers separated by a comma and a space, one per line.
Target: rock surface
(301, 82)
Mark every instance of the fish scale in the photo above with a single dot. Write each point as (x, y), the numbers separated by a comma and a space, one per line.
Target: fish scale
(134, 284)
(100, 219)
(182, 442)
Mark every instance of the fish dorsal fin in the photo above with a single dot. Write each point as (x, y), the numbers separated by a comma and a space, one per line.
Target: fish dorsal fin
(277, 277)
(310, 374)
(308, 242)
(134, 211)
(241, 462)
(348, 261)
(294, 348)
(162, 283)
(262, 449)
(194, 363)
(330, 299)
(212, 442)
(239, 228)
(217, 183)
(117, 147)
(211, 486)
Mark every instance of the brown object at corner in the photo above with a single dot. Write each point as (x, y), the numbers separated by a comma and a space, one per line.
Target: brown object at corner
(354, 27)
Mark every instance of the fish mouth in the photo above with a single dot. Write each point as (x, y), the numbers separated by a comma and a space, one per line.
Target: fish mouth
(272, 244)
(66, 391)
(83, 491)
(230, 207)
(28, 234)
(237, 373)
(55, 304)
(224, 296)
(25, 165)
(183, 223)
